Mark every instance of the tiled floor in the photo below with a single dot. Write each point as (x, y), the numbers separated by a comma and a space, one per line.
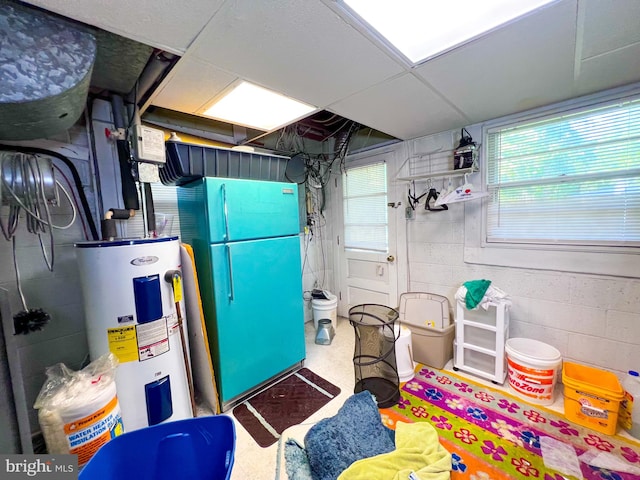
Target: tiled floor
(332, 362)
(335, 363)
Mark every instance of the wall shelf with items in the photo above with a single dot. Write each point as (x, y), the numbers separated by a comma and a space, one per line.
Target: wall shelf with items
(433, 165)
(480, 340)
(444, 174)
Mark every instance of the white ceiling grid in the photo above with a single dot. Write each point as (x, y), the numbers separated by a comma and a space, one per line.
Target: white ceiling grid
(306, 50)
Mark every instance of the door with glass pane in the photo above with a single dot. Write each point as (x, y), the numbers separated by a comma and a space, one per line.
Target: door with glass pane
(367, 244)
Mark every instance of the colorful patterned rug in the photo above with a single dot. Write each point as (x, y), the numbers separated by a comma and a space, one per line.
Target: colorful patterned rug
(493, 435)
(286, 403)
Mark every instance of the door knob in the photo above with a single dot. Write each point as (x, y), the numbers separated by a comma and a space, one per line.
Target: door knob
(390, 258)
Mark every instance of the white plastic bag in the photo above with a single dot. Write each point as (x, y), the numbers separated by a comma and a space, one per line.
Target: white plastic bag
(78, 411)
(463, 193)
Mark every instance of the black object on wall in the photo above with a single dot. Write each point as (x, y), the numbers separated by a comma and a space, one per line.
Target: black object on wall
(129, 191)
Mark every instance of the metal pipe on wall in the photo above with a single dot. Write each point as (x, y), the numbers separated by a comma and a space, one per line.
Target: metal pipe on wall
(127, 168)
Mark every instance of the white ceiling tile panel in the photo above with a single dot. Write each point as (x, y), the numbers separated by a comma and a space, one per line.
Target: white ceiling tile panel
(614, 69)
(299, 48)
(521, 66)
(163, 24)
(608, 25)
(191, 85)
(303, 49)
(403, 107)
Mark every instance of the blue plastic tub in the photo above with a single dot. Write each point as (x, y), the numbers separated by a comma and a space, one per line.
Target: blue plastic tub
(197, 448)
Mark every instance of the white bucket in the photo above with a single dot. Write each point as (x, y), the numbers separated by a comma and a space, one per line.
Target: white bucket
(404, 354)
(533, 369)
(325, 309)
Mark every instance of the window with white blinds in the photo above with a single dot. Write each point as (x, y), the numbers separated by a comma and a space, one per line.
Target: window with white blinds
(365, 207)
(570, 178)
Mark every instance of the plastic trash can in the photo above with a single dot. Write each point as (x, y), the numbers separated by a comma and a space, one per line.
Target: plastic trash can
(404, 354)
(196, 448)
(326, 307)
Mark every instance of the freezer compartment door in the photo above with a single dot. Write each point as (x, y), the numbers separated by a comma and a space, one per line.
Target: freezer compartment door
(259, 321)
(249, 209)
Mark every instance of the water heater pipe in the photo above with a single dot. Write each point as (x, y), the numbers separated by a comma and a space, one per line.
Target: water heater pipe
(174, 277)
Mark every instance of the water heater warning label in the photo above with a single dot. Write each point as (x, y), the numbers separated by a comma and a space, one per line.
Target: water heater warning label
(153, 339)
(123, 343)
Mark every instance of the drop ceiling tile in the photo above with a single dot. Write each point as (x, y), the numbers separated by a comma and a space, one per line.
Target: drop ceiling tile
(190, 86)
(526, 64)
(301, 49)
(403, 107)
(614, 69)
(163, 24)
(608, 25)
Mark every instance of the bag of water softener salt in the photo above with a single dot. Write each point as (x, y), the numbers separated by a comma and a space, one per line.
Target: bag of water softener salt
(78, 411)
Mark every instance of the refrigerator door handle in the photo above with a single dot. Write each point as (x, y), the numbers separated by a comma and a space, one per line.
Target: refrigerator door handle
(231, 293)
(225, 211)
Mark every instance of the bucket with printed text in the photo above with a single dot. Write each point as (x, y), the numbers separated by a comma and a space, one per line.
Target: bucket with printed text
(533, 368)
(592, 397)
(78, 411)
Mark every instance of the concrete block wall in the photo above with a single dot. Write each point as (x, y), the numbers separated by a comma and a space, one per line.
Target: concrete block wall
(57, 292)
(591, 319)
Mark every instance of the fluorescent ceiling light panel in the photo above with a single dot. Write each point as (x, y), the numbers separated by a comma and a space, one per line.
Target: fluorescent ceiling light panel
(420, 29)
(252, 106)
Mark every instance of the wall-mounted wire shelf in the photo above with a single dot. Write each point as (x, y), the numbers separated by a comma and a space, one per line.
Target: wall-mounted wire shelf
(432, 165)
(443, 174)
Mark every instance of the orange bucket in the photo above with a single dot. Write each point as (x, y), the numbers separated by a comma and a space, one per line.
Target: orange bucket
(591, 397)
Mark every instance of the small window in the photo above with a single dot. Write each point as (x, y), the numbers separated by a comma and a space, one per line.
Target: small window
(365, 207)
(566, 179)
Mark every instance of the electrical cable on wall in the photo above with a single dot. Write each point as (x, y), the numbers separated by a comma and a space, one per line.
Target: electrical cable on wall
(307, 241)
(75, 200)
(316, 224)
(316, 175)
(318, 165)
(28, 186)
(74, 173)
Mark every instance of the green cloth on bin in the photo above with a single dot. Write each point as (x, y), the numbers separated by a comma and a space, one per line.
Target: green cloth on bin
(475, 292)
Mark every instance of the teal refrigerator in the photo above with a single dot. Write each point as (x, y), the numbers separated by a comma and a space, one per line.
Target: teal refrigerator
(245, 237)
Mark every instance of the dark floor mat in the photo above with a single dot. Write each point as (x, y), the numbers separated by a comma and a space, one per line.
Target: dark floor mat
(288, 402)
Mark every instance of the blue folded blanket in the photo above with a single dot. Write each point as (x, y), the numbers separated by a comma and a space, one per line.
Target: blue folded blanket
(334, 443)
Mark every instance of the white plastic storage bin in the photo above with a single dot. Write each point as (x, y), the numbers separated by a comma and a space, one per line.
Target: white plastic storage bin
(480, 340)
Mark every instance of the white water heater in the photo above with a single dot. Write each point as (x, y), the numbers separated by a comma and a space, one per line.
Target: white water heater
(131, 310)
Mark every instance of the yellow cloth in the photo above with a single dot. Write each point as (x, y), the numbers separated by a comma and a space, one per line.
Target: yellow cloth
(417, 450)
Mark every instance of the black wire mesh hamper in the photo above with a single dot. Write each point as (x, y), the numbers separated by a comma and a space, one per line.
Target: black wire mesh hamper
(374, 358)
